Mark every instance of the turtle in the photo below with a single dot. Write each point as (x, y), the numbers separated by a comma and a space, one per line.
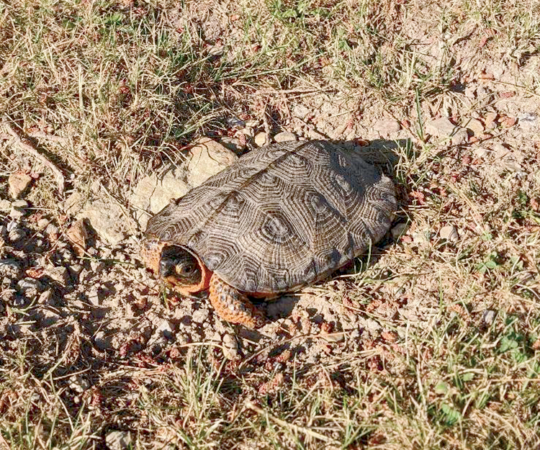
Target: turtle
(281, 217)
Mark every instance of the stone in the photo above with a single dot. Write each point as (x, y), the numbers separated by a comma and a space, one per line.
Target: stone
(285, 136)
(10, 268)
(119, 440)
(441, 127)
(260, 139)
(449, 233)
(108, 219)
(78, 235)
(300, 111)
(5, 205)
(29, 286)
(59, 274)
(153, 193)
(476, 126)
(528, 121)
(207, 158)
(460, 137)
(230, 347)
(16, 234)
(489, 316)
(73, 204)
(387, 127)
(18, 183)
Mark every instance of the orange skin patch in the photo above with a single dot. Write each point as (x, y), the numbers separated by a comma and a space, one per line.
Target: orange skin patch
(230, 304)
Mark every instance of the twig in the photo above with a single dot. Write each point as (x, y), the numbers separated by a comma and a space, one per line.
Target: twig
(26, 145)
(291, 426)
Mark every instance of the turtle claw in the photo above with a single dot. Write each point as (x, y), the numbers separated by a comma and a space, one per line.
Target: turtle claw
(233, 306)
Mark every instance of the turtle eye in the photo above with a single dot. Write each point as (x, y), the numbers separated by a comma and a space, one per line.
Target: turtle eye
(187, 270)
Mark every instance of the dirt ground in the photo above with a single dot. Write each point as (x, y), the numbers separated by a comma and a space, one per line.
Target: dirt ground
(430, 341)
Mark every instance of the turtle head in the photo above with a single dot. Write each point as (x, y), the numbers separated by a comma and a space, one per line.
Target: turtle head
(179, 267)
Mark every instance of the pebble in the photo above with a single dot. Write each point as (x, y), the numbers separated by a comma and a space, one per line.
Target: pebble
(207, 158)
(528, 120)
(230, 347)
(387, 127)
(102, 341)
(5, 205)
(489, 316)
(59, 274)
(300, 111)
(119, 440)
(166, 328)
(476, 126)
(200, 316)
(285, 136)
(441, 127)
(460, 137)
(260, 139)
(10, 268)
(449, 233)
(16, 235)
(29, 286)
(18, 184)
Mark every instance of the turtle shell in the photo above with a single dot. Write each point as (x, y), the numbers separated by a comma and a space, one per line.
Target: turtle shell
(282, 216)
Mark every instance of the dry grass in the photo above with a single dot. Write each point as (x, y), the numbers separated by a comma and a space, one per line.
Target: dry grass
(447, 353)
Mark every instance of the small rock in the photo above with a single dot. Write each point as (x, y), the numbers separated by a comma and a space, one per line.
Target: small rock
(399, 230)
(200, 316)
(16, 235)
(421, 237)
(119, 440)
(230, 347)
(10, 268)
(108, 219)
(387, 127)
(236, 122)
(460, 137)
(153, 193)
(260, 139)
(59, 274)
(18, 184)
(449, 233)
(285, 136)
(78, 236)
(19, 204)
(51, 229)
(528, 120)
(78, 383)
(441, 127)
(166, 328)
(499, 151)
(207, 158)
(470, 92)
(300, 111)
(46, 298)
(489, 316)
(102, 341)
(481, 152)
(476, 126)
(490, 119)
(29, 286)
(73, 204)
(5, 205)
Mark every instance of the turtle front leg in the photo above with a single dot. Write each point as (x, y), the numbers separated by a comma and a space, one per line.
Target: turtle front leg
(233, 306)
